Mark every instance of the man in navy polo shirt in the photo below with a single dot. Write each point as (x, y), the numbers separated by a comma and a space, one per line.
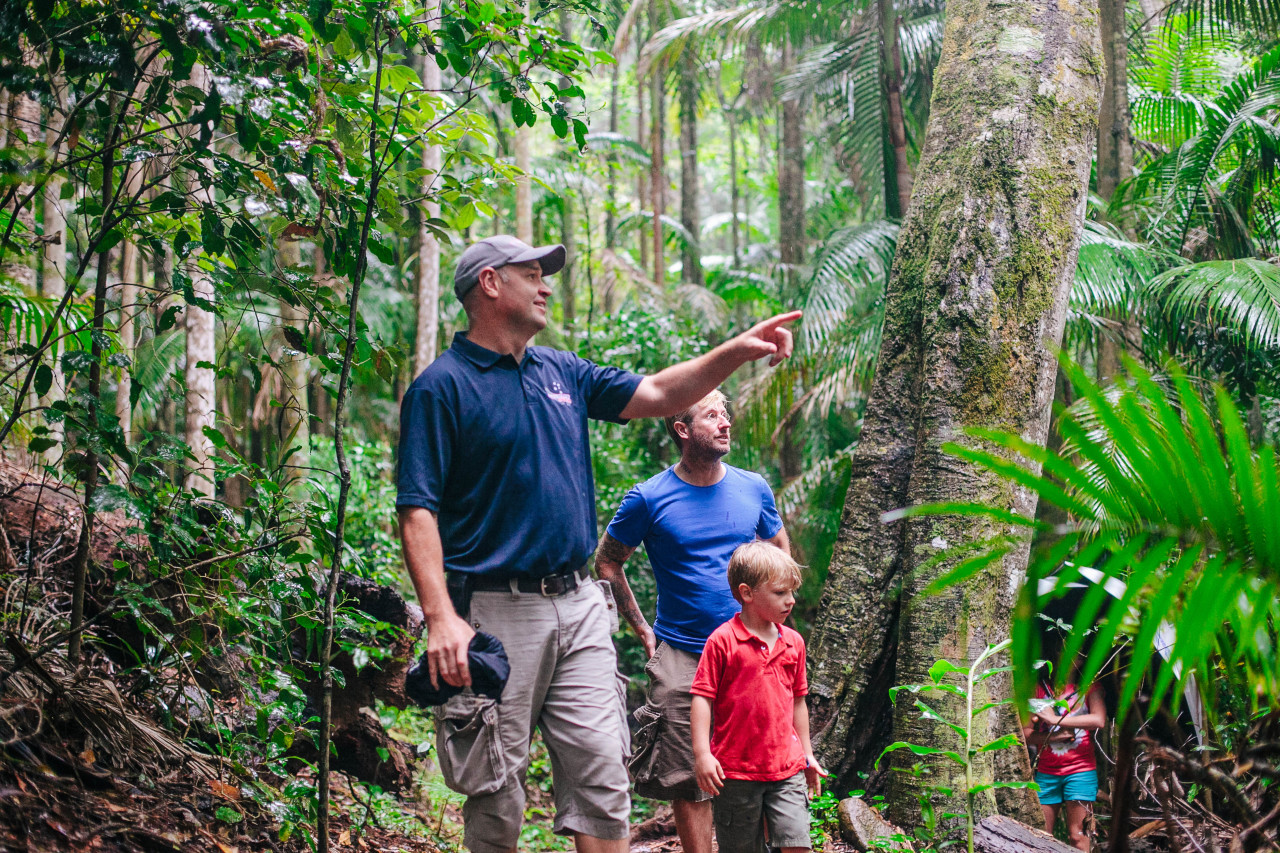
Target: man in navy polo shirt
(496, 493)
(691, 518)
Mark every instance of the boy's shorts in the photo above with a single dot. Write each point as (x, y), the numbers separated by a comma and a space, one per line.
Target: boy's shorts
(1081, 787)
(662, 761)
(743, 808)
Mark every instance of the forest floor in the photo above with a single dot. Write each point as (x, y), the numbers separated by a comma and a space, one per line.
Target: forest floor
(55, 802)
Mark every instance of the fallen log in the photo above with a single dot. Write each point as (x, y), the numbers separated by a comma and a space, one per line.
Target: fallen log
(999, 834)
(864, 828)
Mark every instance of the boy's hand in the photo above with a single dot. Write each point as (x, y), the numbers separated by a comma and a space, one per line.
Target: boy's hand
(709, 772)
(813, 774)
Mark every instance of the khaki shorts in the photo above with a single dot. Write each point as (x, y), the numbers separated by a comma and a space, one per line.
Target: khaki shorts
(565, 682)
(661, 762)
(743, 808)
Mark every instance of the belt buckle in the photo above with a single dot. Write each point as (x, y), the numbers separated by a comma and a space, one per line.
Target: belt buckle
(542, 586)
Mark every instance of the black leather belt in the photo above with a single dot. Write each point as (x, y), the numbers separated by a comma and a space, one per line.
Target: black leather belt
(557, 584)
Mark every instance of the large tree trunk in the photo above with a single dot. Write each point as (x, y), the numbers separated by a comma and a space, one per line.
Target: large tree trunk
(427, 284)
(975, 305)
(791, 189)
(691, 256)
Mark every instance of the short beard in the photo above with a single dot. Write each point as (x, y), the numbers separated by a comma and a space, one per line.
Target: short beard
(707, 452)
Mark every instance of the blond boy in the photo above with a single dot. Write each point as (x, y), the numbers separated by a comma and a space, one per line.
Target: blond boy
(750, 724)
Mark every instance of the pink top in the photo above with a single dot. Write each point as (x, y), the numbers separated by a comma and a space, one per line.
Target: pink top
(1066, 757)
(752, 689)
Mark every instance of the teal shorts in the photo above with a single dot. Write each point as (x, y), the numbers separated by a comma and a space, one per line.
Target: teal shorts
(1082, 786)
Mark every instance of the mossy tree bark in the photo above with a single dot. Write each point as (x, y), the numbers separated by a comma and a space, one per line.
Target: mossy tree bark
(975, 306)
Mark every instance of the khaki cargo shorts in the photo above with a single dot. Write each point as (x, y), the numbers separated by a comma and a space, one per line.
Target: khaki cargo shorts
(565, 682)
(744, 808)
(661, 762)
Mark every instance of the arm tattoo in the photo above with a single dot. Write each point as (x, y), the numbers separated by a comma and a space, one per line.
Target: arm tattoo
(609, 559)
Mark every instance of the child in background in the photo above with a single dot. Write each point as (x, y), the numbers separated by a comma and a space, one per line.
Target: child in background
(749, 719)
(1062, 727)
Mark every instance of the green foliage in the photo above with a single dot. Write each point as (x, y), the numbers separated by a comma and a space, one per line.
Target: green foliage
(372, 539)
(967, 755)
(824, 818)
(1167, 496)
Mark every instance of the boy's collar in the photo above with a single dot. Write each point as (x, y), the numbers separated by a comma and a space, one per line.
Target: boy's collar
(744, 635)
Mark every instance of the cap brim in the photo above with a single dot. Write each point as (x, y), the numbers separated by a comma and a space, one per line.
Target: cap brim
(550, 258)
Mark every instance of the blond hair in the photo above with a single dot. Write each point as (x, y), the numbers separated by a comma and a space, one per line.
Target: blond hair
(685, 416)
(758, 563)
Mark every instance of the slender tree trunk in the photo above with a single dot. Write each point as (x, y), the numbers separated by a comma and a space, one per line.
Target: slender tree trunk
(84, 547)
(428, 272)
(690, 218)
(791, 189)
(53, 260)
(975, 306)
(23, 130)
(734, 242)
(657, 154)
(1115, 146)
(568, 221)
(1115, 164)
(199, 323)
(295, 409)
(524, 189)
(611, 162)
(642, 179)
(128, 312)
(897, 122)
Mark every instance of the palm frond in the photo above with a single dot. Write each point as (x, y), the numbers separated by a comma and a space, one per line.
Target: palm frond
(1240, 298)
(1166, 495)
(1217, 16)
(849, 275)
(618, 144)
(1109, 274)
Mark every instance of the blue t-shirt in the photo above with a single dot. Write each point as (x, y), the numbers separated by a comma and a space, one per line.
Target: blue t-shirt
(689, 533)
(500, 452)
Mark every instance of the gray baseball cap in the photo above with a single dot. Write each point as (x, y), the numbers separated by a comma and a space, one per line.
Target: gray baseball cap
(498, 252)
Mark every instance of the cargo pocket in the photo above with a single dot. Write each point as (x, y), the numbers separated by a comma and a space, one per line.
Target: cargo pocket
(611, 605)
(468, 745)
(643, 764)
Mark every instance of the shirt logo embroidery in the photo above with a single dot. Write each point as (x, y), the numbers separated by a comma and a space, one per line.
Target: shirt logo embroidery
(557, 393)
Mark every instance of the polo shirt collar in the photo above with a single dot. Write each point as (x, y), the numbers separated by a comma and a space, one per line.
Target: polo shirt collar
(483, 357)
(741, 633)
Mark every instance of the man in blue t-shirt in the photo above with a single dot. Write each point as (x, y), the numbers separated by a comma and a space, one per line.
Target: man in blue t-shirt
(690, 518)
(496, 505)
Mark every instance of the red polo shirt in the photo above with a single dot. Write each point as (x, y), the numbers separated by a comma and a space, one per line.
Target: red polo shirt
(752, 690)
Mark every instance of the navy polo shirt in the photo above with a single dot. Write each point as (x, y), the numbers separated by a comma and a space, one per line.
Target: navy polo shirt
(500, 453)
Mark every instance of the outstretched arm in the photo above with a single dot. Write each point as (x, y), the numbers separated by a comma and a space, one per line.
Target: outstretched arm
(681, 385)
(610, 557)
